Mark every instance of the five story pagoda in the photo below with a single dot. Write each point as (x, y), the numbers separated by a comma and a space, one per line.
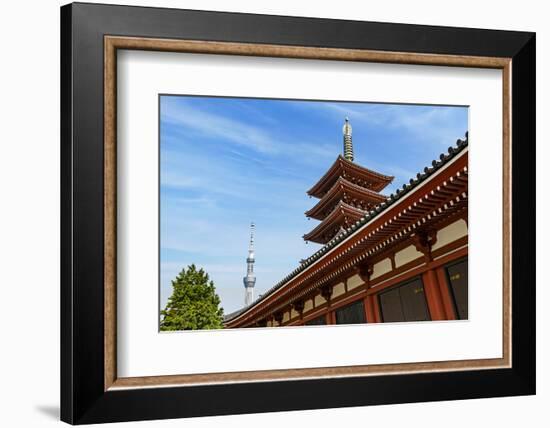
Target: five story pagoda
(346, 193)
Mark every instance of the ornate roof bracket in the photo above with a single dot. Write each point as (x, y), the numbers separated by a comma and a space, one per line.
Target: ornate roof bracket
(326, 293)
(364, 271)
(278, 317)
(298, 306)
(424, 240)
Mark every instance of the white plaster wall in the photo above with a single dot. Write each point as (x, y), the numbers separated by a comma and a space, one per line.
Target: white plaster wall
(354, 281)
(338, 290)
(451, 233)
(380, 268)
(407, 255)
(319, 300)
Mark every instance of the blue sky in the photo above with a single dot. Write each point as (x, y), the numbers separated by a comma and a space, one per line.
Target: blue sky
(228, 161)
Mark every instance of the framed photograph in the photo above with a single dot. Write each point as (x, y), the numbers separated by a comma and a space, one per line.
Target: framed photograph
(266, 213)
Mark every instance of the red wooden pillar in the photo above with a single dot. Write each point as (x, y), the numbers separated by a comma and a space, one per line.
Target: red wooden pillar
(445, 291)
(326, 293)
(377, 310)
(367, 309)
(433, 296)
(371, 311)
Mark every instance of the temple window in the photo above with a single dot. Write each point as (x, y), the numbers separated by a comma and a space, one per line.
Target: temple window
(351, 314)
(404, 302)
(322, 320)
(457, 275)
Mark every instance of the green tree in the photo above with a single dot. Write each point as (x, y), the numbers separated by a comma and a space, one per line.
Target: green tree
(194, 304)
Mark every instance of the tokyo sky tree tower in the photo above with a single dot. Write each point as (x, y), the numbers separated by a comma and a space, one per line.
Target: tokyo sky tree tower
(250, 279)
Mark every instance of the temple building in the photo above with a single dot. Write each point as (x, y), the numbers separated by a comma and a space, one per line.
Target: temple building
(396, 258)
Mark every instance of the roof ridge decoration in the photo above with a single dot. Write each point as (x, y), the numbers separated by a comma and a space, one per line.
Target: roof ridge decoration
(420, 177)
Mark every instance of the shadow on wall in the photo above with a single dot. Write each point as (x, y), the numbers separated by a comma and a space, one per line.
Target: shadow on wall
(52, 411)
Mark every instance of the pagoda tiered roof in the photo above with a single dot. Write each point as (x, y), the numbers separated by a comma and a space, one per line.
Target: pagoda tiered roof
(354, 173)
(340, 218)
(343, 189)
(347, 191)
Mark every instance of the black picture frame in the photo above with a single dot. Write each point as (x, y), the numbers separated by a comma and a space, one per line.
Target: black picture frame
(83, 399)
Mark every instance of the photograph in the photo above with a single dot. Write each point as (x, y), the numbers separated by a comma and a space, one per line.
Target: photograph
(290, 212)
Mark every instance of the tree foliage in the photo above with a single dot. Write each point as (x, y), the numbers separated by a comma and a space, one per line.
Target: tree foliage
(194, 304)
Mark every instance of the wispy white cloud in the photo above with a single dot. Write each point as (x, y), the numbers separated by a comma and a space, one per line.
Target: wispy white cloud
(178, 113)
(231, 175)
(241, 132)
(426, 124)
(200, 202)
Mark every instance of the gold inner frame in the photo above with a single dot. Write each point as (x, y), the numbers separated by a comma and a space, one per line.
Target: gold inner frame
(113, 43)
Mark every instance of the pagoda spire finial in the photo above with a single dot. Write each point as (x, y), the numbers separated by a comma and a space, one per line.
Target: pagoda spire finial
(348, 145)
(250, 279)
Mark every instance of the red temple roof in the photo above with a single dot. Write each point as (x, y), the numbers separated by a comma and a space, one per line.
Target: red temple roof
(354, 173)
(347, 191)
